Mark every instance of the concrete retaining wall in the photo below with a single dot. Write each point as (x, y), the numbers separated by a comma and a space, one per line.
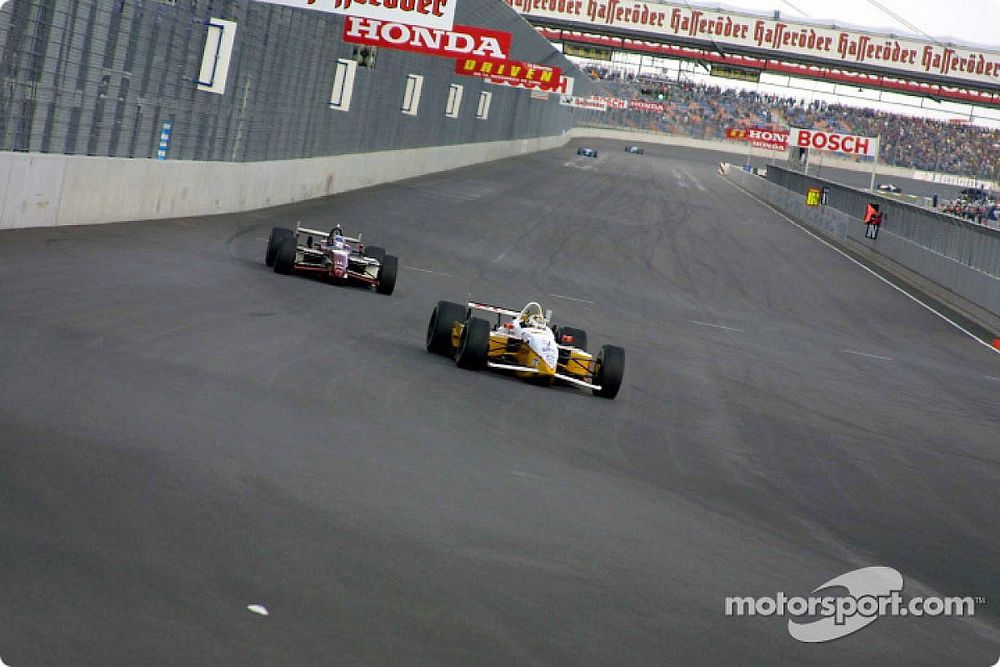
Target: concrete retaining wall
(974, 293)
(38, 190)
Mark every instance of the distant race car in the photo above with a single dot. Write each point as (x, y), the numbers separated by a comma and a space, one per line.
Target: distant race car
(635, 149)
(332, 255)
(523, 342)
(586, 151)
(889, 187)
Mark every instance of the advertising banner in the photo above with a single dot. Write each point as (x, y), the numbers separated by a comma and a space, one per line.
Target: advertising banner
(760, 137)
(650, 107)
(461, 41)
(771, 37)
(590, 103)
(823, 140)
(509, 71)
(564, 87)
(427, 13)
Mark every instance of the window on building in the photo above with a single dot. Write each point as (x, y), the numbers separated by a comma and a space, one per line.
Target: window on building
(411, 95)
(454, 101)
(483, 112)
(343, 84)
(216, 56)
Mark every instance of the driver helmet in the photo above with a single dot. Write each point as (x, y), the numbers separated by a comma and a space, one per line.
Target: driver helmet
(536, 321)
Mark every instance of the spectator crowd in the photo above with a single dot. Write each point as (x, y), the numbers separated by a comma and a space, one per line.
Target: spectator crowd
(706, 111)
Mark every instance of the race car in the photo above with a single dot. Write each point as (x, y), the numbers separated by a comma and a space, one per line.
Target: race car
(586, 151)
(889, 187)
(638, 150)
(332, 255)
(524, 343)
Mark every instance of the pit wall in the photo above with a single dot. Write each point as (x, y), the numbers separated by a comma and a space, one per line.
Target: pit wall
(952, 260)
(39, 190)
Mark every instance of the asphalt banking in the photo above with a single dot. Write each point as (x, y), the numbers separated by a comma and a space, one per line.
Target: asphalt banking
(185, 433)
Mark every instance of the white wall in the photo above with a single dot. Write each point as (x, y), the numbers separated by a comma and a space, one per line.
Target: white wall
(41, 190)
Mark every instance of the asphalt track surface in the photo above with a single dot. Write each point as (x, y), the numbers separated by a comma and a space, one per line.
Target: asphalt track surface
(184, 433)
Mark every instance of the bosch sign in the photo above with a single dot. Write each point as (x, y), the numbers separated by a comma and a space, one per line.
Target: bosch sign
(822, 140)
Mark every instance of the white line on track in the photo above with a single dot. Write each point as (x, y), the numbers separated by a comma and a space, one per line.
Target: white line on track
(529, 475)
(992, 378)
(715, 326)
(865, 354)
(871, 271)
(436, 273)
(572, 298)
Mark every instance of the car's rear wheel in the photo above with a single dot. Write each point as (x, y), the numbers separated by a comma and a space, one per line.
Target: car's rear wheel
(277, 233)
(439, 328)
(375, 252)
(474, 345)
(284, 257)
(609, 371)
(387, 275)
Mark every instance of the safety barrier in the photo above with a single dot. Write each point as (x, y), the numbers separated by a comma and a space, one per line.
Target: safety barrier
(961, 258)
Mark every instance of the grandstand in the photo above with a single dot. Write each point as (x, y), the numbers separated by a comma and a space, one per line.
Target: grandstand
(703, 111)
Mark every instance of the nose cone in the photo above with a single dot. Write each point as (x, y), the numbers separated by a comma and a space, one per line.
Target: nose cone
(544, 347)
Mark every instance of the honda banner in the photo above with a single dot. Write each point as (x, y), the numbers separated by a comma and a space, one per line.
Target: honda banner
(461, 41)
(823, 140)
(428, 13)
(760, 137)
(643, 105)
(509, 71)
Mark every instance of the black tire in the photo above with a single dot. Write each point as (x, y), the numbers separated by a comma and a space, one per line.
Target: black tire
(474, 346)
(578, 336)
(277, 233)
(610, 371)
(443, 318)
(284, 257)
(375, 252)
(387, 275)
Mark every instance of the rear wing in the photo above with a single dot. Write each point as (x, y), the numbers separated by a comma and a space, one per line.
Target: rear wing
(499, 310)
(325, 235)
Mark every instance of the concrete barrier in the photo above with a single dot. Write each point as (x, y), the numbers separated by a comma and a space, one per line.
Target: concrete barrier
(41, 190)
(973, 293)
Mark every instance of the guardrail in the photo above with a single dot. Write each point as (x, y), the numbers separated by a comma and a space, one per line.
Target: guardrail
(960, 257)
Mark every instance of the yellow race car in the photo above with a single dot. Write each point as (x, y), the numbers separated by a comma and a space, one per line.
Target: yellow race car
(523, 342)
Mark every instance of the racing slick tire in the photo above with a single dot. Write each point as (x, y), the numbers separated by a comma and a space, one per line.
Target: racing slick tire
(387, 275)
(474, 346)
(578, 336)
(277, 233)
(284, 257)
(375, 252)
(445, 314)
(609, 371)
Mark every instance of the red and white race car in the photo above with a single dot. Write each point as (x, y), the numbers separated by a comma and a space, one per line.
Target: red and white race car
(332, 255)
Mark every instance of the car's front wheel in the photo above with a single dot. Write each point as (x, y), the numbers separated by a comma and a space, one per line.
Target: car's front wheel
(609, 371)
(277, 233)
(387, 275)
(284, 257)
(474, 345)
